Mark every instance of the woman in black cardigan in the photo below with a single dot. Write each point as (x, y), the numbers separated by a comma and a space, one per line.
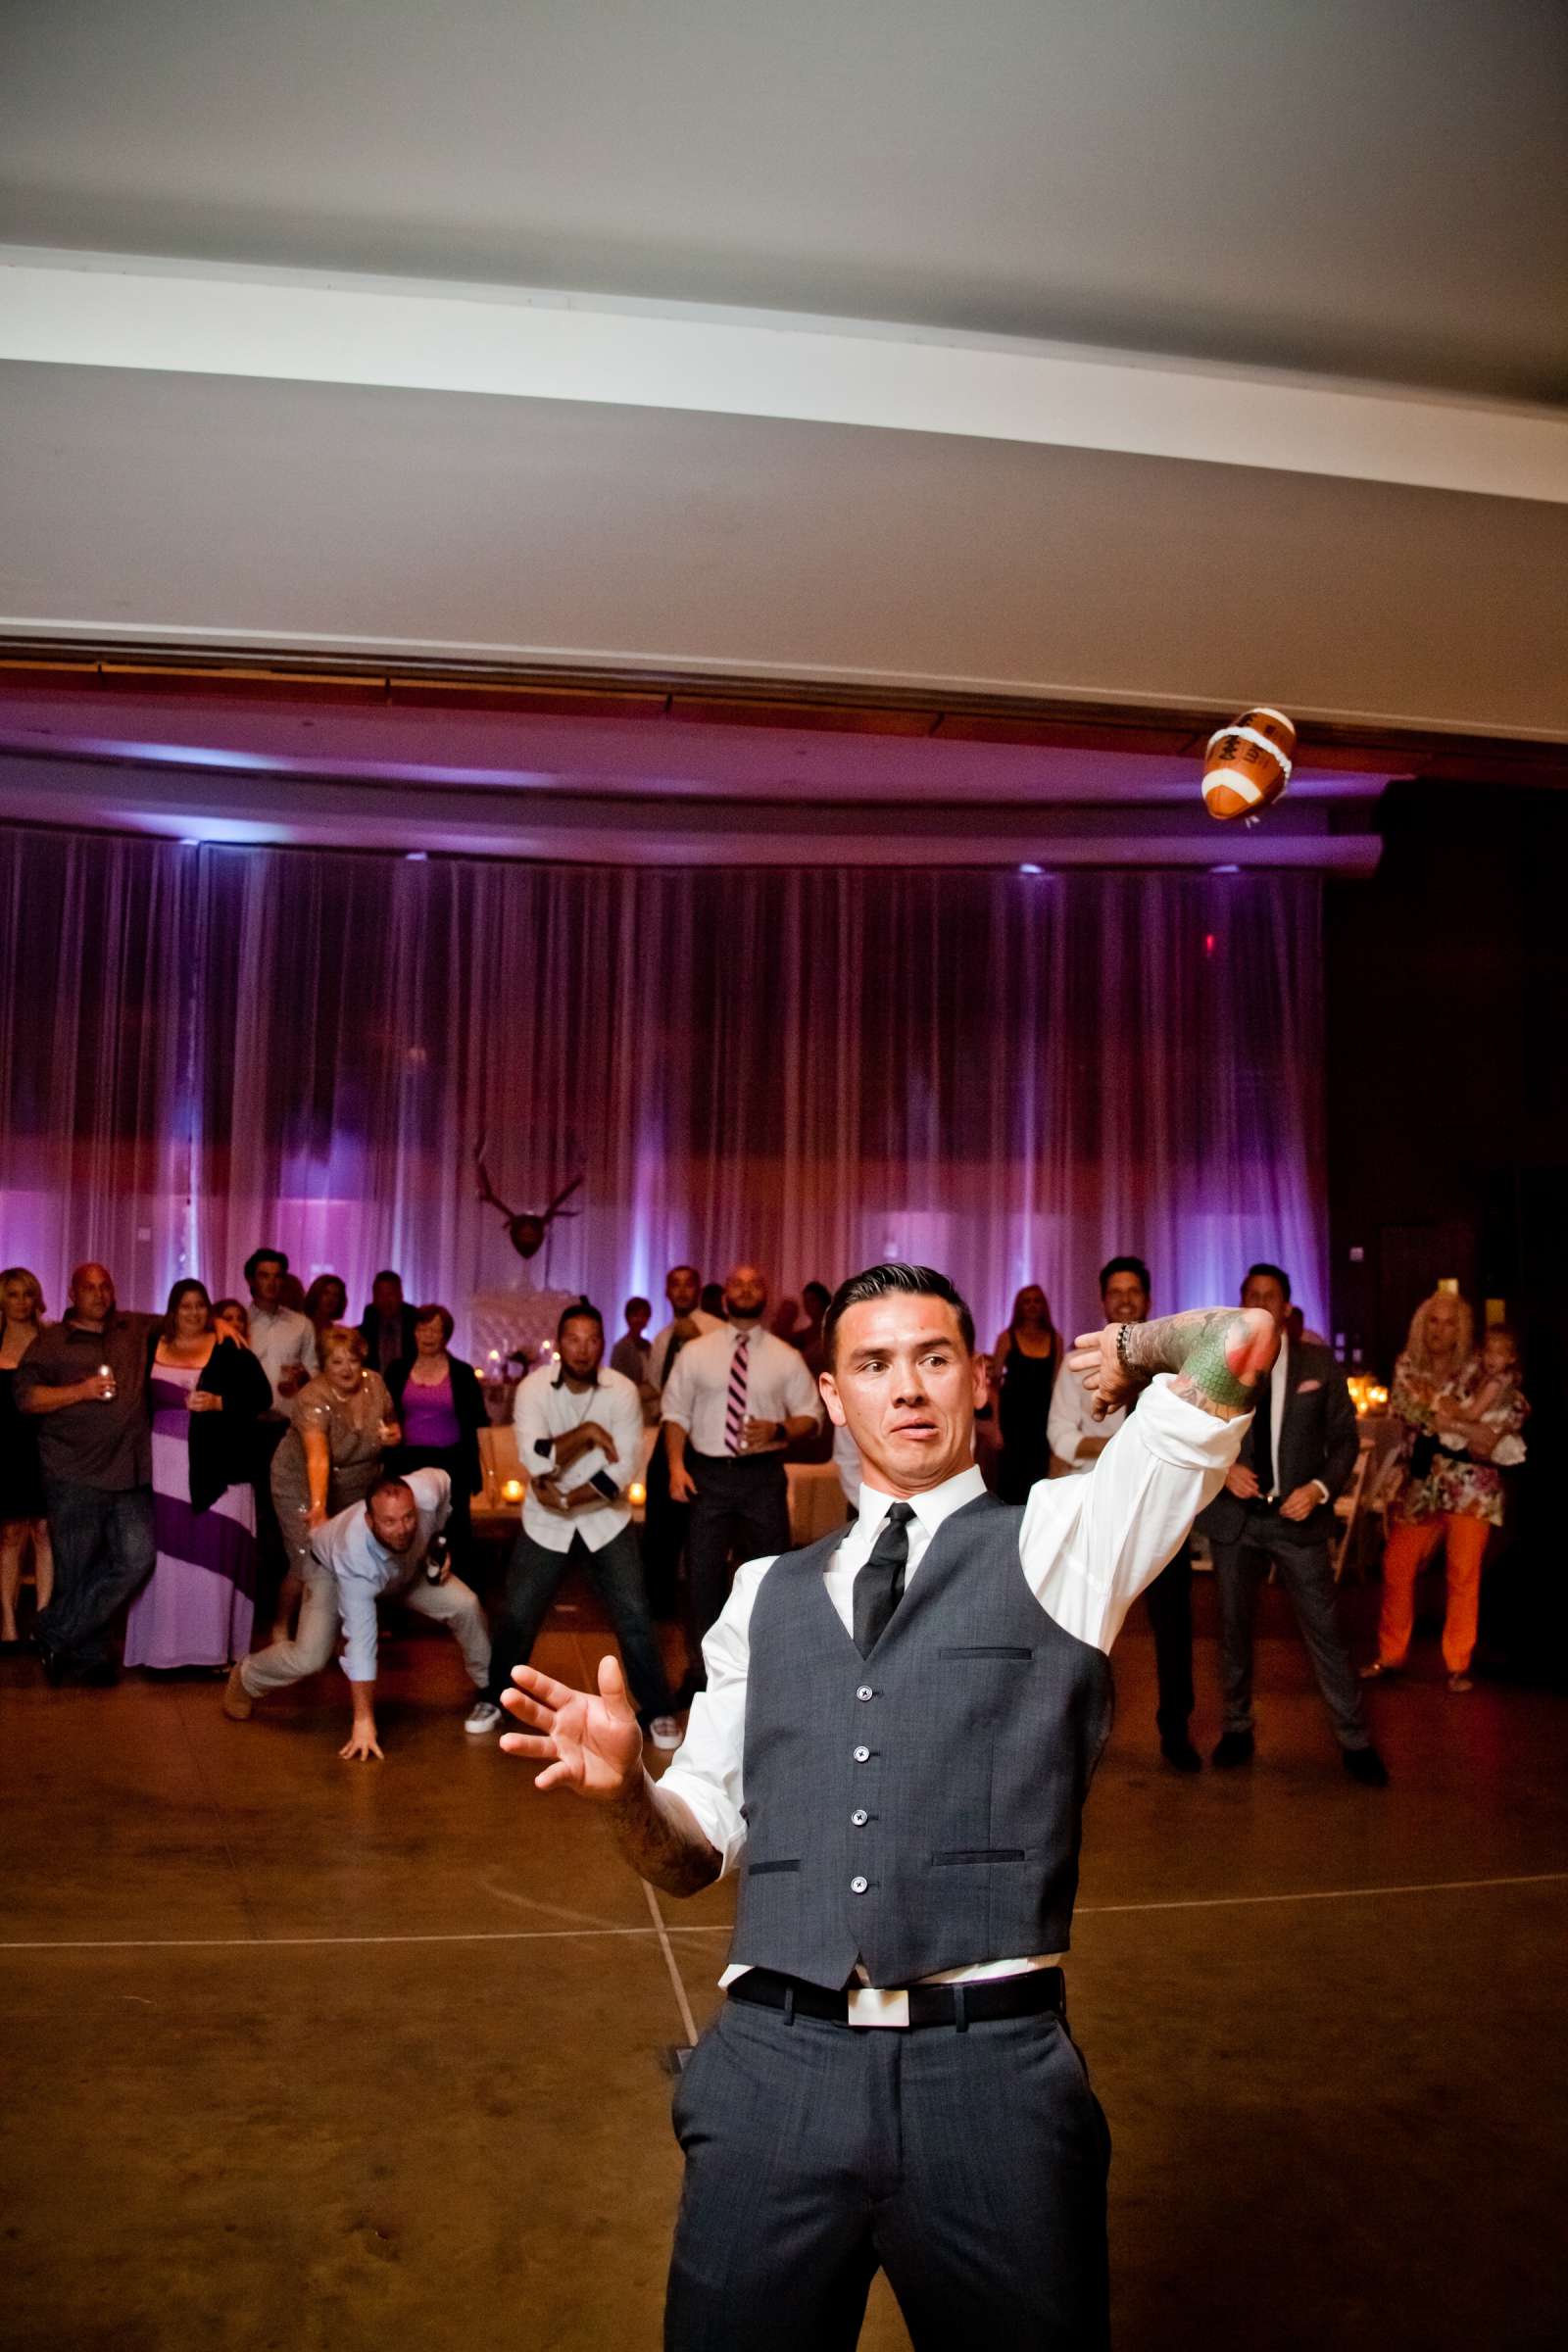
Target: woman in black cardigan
(437, 1398)
(204, 1393)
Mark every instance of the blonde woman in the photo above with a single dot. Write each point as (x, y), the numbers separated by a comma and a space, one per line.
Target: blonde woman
(23, 1519)
(340, 1424)
(1449, 1490)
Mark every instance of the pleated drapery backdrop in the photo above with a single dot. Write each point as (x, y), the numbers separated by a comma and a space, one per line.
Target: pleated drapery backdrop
(1010, 1076)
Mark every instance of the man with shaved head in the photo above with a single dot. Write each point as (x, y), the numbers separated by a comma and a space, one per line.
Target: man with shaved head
(735, 1400)
(86, 1380)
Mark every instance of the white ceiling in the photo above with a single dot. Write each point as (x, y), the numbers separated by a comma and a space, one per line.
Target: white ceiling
(1366, 187)
(1372, 193)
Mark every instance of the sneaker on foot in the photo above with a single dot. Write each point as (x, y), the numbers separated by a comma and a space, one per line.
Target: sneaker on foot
(664, 1732)
(237, 1700)
(483, 1716)
(1366, 1765)
(1234, 1747)
(1458, 1683)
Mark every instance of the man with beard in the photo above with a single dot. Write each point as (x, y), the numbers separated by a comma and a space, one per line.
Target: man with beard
(378, 1549)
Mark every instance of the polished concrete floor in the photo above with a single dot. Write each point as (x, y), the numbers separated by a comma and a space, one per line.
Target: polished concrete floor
(300, 2054)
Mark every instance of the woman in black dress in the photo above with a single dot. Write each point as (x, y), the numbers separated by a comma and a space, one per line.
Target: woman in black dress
(23, 1519)
(1023, 1372)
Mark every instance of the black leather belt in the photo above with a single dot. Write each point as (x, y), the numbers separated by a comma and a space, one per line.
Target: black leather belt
(959, 2005)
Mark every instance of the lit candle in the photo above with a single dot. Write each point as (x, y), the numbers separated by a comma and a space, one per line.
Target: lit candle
(512, 1492)
(636, 1493)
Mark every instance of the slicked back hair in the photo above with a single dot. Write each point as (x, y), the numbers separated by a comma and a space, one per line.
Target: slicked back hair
(893, 1281)
(1134, 1266)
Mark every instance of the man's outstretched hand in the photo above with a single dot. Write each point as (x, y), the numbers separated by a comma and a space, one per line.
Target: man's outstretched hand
(590, 1745)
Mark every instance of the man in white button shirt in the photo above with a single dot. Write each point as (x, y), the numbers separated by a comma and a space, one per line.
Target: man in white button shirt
(667, 1524)
(736, 1398)
(892, 1757)
(1078, 1440)
(579, 1439)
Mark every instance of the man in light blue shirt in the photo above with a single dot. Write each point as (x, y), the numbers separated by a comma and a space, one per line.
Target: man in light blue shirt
(376, 1550)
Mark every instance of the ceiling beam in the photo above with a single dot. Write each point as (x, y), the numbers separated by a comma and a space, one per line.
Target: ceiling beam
(116, 311)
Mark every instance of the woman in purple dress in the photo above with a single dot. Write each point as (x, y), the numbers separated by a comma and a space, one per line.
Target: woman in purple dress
(439, 1401)
(204, 1393)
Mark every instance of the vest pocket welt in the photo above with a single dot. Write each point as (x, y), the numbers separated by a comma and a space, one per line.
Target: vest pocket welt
(984, 1649)
(981, 1853)
(761, 1869)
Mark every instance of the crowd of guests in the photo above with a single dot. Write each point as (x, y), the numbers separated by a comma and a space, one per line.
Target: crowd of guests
(237, 1467)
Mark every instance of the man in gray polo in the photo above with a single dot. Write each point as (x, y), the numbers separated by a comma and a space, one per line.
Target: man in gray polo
(892, 1756)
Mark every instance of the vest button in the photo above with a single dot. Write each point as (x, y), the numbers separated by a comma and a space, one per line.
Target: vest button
(866, 1691)
(859, 1817)
(858, 1885)
(863, 1755)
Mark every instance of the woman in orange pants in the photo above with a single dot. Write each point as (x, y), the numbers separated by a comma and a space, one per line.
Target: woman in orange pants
(1462, 1414)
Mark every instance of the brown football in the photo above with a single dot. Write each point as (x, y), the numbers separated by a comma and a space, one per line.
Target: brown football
(1247, 764)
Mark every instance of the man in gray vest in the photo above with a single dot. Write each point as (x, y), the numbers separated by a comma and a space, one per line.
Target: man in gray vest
(892, 1756)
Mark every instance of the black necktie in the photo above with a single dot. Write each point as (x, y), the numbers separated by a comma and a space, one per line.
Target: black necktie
(1263, 1441)
(879, 1587)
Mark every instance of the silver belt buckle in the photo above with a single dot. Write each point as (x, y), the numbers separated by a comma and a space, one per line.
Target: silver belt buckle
(869, 2005)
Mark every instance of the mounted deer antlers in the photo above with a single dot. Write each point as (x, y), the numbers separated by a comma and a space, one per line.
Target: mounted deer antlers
(525, 1230)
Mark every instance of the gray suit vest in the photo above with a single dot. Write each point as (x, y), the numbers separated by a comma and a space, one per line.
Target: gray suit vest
(919, 1809)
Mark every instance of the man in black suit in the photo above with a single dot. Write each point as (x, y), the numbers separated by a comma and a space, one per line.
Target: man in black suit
(388, 1324)
(1277, 1504)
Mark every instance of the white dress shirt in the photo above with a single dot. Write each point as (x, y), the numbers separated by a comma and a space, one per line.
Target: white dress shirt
(1279, 1382)
(1071, 1419)
(280, 1336)
(777, 1386)
(1087, 1549)
(658, 1354)
(363, 1569)
(846, 1462)
(544, 1409)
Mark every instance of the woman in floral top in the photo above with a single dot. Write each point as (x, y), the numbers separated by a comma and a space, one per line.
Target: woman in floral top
(1462, 1414)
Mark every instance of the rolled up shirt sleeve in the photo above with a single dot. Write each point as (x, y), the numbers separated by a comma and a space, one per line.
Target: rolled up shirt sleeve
(622, 1415)
(1089, 1546)
(536, 1447)
(706, 1773)
(680, 1392)
(356, 1602)
(800, 1392)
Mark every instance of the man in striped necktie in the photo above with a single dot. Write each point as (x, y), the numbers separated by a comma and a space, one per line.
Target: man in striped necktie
(735, 1400)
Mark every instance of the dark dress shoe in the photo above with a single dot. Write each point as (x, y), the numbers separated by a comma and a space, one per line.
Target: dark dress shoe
(1181, 1755)
(1366, 1765)
(1232, 1748)
(56, 1665)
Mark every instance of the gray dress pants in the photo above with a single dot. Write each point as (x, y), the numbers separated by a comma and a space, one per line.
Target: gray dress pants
(1308, 1579)
(969, 2166)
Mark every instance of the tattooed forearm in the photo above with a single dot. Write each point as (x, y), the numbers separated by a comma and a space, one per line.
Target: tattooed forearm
(1218, 1353)
(658, 1838)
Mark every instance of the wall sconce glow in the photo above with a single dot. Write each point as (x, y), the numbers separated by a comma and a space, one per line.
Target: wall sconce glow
(1031, 869)
(416, 857)
(1224, 869)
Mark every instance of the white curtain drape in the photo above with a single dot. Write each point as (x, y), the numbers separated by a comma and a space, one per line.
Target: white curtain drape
(1010, 1076)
